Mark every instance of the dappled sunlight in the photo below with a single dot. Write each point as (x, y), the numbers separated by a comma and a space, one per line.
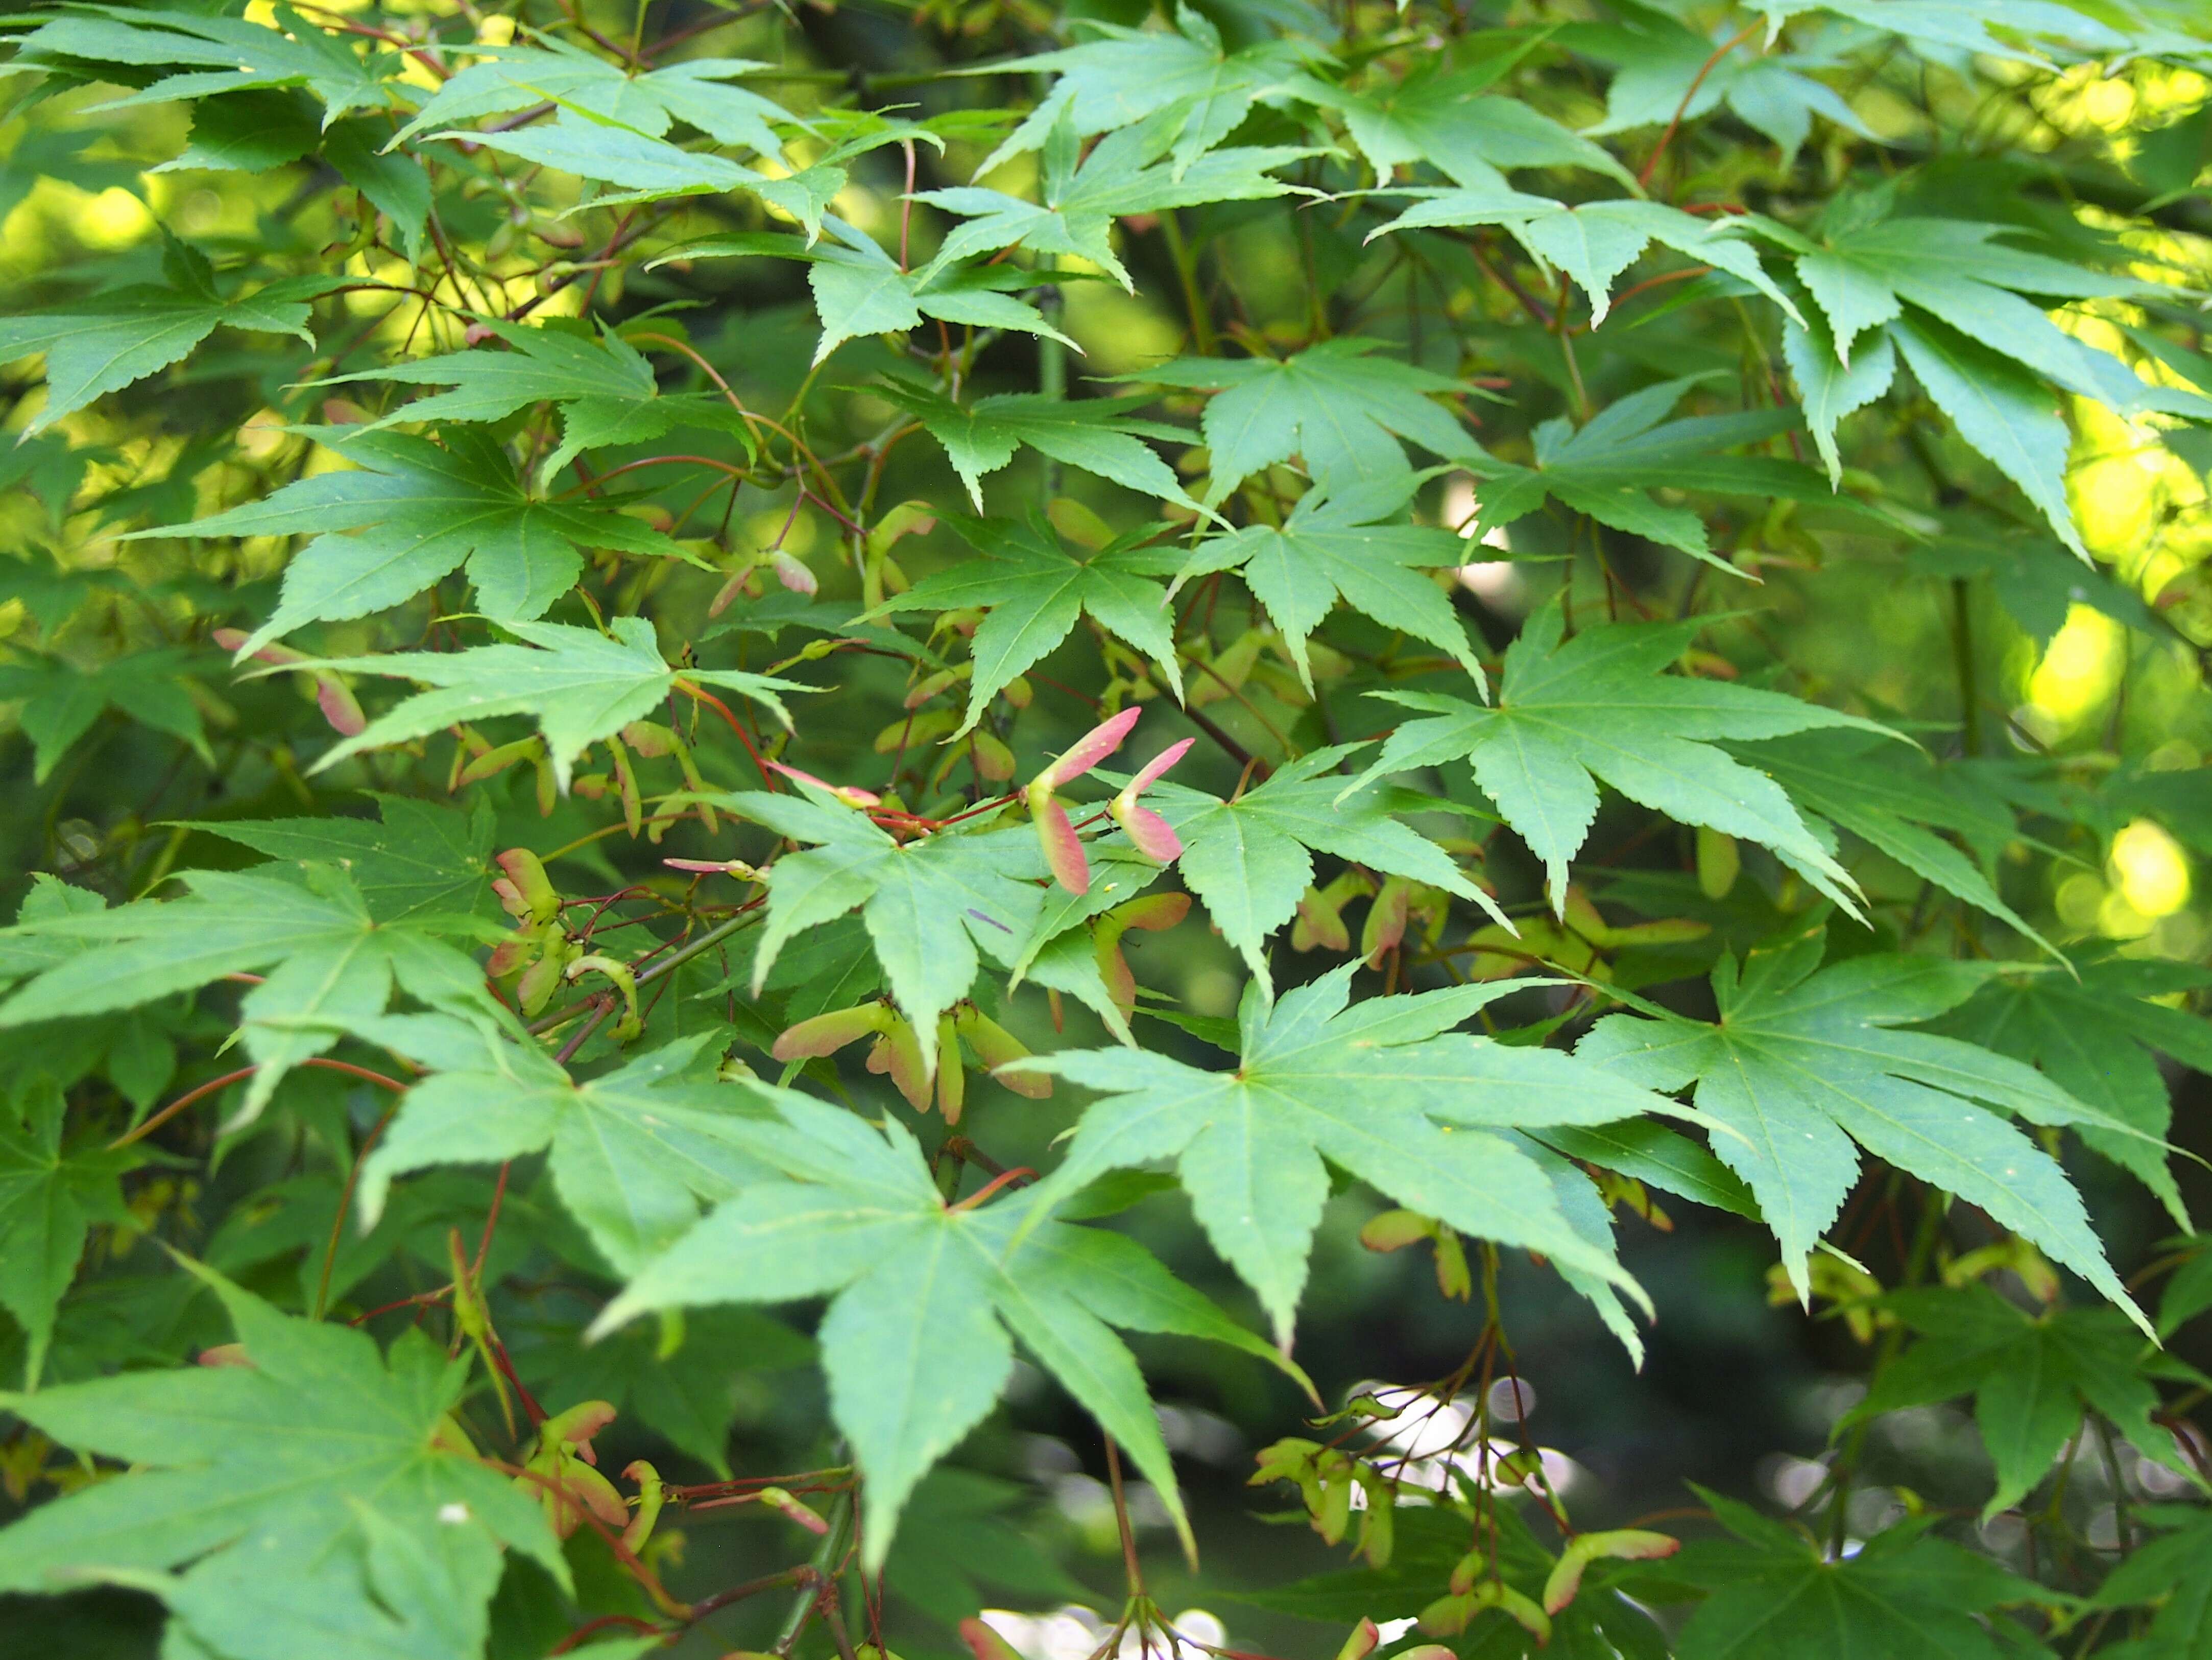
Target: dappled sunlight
(2150, 870)
(2078, 670)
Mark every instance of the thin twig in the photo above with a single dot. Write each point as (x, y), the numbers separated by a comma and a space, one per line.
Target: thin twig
(140, 1132)
(1682, 109)
(345, 1204)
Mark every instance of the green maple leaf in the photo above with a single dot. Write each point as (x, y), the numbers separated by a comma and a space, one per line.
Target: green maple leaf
(1830, 388)
(1126, 172)
(1331, 548)
(2093, 1031)
(1335, 406)
(2037, 581)
(606, 390)
(2166, 1571)
(958, 1539)
(53, 473)
(61, 701)
(1666, 71)
(1607, 467)
(929, 904)
(259, 129)
(1034, 590)
(410, 512)
(1597, 706)
(1864, 275)
(1593, 243)
(859, 290)
(505, 79)
(1658, 1157)
(579, 684)
(136, 1048)
(422, 859)
(210, 55)
(633, 1152)
(915, 1342)
(1954, 301)
(1130, 74)
(106, 341)
(61, 154)
(1962, 25)
(1806, 1061)
(2031, 1377)
(327, 960)
(318, 1484)
(1438, 114)
(2001, 410)
(1097, 435)
(642, 169)
(50, 1195)
(1383, 1090)
(1903, 1594)
(1888, 797)
(1250, 858)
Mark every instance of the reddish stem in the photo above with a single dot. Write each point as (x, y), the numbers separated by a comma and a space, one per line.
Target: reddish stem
(491, 1218)
(745, 737)
(141, 1131)
(1004, 1178)
(632, 1621)
(1682, 108)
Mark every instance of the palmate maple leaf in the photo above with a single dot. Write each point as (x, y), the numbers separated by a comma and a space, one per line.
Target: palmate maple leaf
(1336, 406)
(318, 1492)
(411, 511)
(325, 958)
(633, 1152)
(60, 701)
(579, 684)
(2031, 1377)
(1035, 588)
(642, 169)
(1890, 797)
(1439, 114)
(106, 341)
(1332, 548)
(1953, 300)
(915, 1343)
(1097, 434)
(212, 55)
(859, 289)
(2096, 1029)
(51, 1192)
(1249, 859)
(1127, 171)
(606, 389)
(416, 859)
(1130, 74)
(1569, 712)
(696, 91)
(1774, 1589)
(1383, 1089)
(934, 907)
(1593, 243)
(1609, 466)
(1806, 1060)
(1666, 70)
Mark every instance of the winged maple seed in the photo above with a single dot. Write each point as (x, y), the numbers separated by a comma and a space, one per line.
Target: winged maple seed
(1148, 831)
